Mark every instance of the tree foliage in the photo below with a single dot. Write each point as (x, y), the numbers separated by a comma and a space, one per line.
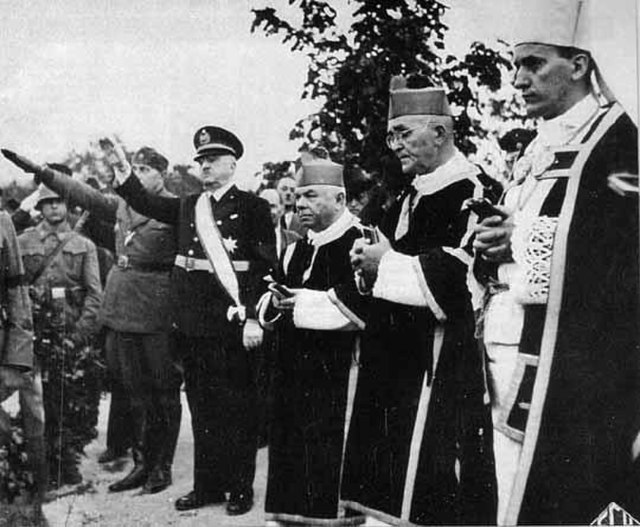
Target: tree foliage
(350, 69)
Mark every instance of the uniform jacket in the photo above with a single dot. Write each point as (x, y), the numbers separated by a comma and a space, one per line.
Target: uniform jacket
(75, 269)
(575, 404)
(201, 304)
(16, 347)
(137, 292)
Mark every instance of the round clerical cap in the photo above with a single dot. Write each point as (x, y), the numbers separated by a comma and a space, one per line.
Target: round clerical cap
(412, 101)
(213, 140)
(45, 194)
(150, 157)
(322, 173)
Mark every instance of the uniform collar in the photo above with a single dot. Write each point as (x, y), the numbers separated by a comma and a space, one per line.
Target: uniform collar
(219, 193)
(45, 229)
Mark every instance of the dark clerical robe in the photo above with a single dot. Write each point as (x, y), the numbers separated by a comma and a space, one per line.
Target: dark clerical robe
(314, 380)
(419, 443)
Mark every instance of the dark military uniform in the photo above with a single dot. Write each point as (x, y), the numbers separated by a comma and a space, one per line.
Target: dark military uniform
(219, 371)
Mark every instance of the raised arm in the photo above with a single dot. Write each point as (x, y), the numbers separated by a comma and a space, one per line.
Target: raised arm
(161, 208)
(78, 193)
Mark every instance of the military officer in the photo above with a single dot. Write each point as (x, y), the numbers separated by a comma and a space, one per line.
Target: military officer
(62, 268)
(226, 245)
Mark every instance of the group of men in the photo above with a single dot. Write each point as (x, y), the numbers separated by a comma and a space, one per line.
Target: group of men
(448, 367)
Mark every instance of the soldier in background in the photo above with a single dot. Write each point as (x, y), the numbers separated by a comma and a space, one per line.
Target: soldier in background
(17, 370)
(61, 267)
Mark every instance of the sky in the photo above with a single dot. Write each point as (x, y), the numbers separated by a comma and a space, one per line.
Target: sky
(153, 71)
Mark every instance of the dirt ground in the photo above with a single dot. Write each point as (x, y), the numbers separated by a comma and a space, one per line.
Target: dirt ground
(91, 504)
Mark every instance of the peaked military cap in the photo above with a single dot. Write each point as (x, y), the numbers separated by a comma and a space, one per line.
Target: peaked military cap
(213, 140)
(416, 101)
(322, 172)
(150, 157)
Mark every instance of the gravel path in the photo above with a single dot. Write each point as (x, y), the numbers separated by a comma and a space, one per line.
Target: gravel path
(91, 503)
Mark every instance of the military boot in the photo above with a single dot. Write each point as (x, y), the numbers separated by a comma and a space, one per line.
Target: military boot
(138, 475)
(38, 466)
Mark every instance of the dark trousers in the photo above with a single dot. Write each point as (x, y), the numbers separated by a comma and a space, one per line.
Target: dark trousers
(221, 390)
(151, 382)
(119, 425)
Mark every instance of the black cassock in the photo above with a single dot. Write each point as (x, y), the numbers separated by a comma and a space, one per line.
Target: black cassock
(419, 444)
(311, 387)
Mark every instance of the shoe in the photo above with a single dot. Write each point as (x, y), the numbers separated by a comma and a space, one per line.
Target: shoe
(137, 477)
(239, 503)
(158, 480)
(110, 455)
(193, 501)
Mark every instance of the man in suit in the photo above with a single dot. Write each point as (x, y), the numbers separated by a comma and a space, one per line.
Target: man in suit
(284, 237)
(226, 245)
(289, 220)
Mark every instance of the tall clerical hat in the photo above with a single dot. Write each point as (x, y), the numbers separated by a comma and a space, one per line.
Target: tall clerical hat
(606, 29)
(213, 140)
(322, 172)
(45, 194)
(415, 101)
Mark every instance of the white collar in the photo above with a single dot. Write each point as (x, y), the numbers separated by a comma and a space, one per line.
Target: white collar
(455, 169)
(219, 192)
(333, 231)
(560, 129)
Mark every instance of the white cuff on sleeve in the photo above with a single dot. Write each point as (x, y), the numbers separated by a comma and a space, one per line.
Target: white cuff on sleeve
(397, 280)
(315, 310)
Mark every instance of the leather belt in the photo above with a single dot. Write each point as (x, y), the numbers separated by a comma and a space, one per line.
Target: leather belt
(202, 264)
(124, 262)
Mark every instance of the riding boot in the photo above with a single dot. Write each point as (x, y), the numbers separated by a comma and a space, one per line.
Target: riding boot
(160, 477)
(138, 475)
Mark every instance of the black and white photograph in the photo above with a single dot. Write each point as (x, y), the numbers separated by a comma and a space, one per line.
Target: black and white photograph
(288, 263)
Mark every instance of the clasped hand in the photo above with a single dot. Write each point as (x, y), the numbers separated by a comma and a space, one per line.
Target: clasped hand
(493, 238)
(365, 257)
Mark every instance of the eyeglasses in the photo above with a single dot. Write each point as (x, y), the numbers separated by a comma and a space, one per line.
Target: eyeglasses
(402, 136)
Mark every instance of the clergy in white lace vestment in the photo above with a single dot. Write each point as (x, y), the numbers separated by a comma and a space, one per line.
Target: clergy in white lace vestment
(561, 274)
(418, 447)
